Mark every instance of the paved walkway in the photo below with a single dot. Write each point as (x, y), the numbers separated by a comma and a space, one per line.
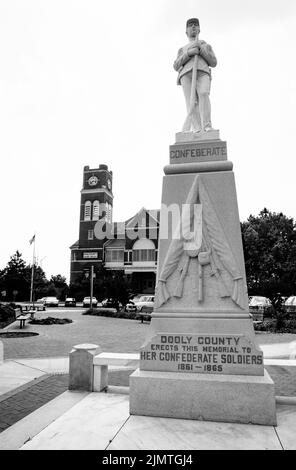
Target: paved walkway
(34, 377)
(101, 421)
(112, 334)
(28, 398)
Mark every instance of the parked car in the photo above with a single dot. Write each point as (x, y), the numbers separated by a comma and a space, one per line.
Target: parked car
(290, 304)
(86, 302)
(259, 307)
(50, 302)
(111, 303)
(136, 297)
(130, 306)
(70, 302)
(145, 303)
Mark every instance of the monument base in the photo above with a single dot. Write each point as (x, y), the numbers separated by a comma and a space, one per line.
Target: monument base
(213, 134)
(227, 398)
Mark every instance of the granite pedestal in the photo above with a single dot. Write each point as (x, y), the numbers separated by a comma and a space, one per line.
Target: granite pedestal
(200, 359)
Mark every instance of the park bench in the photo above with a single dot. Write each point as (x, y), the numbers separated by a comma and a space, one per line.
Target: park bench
(145, 313)
(39, 308)
(103, 360)
(22, 319)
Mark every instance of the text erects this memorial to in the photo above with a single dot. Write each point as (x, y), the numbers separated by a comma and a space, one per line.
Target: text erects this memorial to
(200, 359)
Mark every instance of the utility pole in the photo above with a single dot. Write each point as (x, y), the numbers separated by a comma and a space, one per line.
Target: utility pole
(91, 286)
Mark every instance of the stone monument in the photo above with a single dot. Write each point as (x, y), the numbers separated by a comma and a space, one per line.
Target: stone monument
(200, 359)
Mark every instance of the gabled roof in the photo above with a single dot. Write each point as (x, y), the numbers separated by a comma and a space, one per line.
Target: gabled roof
(75, 245)
(115, 243)
(149, 216)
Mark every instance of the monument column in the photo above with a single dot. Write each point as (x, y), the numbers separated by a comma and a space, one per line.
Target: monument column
(200, 359)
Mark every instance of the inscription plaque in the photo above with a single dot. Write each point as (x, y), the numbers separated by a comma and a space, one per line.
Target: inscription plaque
(198, 152)
(203, 354)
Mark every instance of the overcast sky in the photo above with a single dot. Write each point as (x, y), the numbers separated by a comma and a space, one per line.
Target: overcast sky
(86, 82)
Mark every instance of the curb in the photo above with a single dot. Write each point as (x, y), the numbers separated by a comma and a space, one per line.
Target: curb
(282, 400)
(23, 387)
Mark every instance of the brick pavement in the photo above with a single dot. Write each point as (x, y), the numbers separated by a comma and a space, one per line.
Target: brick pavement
(26, 401)
(35, 395)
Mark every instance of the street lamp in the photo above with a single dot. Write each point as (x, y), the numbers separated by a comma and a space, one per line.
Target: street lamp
(92, 277)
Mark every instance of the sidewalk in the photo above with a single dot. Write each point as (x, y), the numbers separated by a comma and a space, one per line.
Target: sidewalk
(38, 412)
(36, 405)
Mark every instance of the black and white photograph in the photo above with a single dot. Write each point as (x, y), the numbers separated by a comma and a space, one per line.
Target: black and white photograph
(148, 235)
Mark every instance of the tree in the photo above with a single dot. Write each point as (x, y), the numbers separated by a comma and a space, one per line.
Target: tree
(269, 242)
(58, 280)
(15, 278)
(42, 287)
(80, 288)
(116, 286)
(60, 286)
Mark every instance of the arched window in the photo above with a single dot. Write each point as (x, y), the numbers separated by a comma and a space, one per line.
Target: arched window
(143, 250)
(87, 210)
(108, 212)
(96, 207)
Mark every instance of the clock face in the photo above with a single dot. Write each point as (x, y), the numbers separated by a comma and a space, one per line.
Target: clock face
(92, 181)
(109, 184)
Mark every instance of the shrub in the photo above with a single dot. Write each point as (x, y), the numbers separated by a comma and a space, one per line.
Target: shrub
(7, 315)
(14, 305)
(266, 325)
(50, 321)
(277, 325)
(111, 312)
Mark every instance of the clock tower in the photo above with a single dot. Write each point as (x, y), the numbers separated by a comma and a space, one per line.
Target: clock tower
(96, 203)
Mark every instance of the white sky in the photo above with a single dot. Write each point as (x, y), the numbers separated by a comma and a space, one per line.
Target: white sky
(86, 82)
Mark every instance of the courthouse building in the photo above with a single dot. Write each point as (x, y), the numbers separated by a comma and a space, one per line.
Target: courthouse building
(130, 246)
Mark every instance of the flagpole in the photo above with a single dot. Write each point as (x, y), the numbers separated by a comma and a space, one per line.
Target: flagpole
(32, 275)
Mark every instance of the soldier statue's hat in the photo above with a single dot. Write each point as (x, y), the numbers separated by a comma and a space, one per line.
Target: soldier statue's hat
(192, 21)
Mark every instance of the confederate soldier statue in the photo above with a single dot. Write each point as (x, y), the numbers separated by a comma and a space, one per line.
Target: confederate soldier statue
(194, 74)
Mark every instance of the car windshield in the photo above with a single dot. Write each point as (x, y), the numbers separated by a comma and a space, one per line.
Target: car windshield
(291, 301)
(136, 298)
(258, 300)
(144, 298)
